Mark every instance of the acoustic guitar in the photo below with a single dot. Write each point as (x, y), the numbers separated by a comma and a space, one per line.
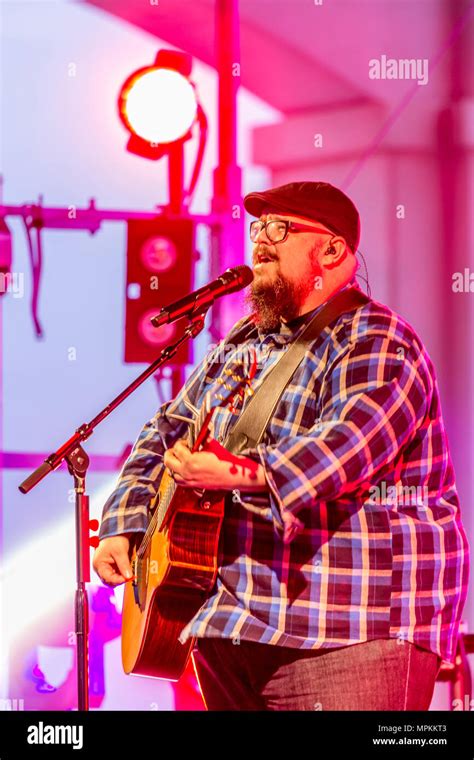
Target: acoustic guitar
(175, 563)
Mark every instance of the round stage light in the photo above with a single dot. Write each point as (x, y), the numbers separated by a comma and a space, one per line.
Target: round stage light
(158, 105)
(152, 335)
(158, 254)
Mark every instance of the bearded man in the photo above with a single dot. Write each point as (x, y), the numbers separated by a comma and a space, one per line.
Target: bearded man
(331, 592)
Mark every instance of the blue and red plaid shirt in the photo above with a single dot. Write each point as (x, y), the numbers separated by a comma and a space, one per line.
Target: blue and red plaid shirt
(358, 450)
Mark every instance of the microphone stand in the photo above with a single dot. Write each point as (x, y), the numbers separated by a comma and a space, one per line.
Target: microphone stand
(77, 462)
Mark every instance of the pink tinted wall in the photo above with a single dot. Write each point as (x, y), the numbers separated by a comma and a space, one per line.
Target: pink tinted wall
(399, 141)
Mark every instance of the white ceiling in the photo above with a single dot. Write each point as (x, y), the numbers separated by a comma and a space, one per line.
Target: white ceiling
(299, 54)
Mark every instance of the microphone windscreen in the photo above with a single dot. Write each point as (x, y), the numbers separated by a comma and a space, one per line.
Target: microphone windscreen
(237, 277)
(246, 274)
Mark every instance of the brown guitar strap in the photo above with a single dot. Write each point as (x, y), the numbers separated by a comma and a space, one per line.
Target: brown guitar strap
(252, 423)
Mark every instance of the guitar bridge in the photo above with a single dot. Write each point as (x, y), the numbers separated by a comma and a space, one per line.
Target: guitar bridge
(139, 582)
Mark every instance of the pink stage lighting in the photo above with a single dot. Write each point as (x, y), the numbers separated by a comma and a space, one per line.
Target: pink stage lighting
(158, 104)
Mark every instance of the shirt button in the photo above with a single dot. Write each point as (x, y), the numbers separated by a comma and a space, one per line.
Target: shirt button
(220, 438)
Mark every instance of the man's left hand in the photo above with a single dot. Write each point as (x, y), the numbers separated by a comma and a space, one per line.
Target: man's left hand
(213, 468)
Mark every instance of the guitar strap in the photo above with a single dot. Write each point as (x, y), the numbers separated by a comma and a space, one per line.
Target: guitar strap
(252, 423)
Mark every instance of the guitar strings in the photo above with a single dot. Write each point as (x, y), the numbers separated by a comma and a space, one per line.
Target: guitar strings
(166, 496)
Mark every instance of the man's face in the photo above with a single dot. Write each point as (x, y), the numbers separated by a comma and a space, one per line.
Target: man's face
(286, 277)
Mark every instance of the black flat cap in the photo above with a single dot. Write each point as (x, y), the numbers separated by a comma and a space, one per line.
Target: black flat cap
(319, 201)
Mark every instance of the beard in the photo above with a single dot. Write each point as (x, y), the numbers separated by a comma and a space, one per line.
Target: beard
(272, 298)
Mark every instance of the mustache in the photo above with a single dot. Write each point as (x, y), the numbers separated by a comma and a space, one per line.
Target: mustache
(262, 250)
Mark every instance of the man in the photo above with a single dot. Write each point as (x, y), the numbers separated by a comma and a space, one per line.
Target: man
(343, 562)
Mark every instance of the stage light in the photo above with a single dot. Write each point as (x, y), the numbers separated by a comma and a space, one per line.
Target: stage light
(158, 254)
(150, 335)
(158, 105)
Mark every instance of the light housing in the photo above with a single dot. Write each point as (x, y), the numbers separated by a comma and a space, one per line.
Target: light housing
(158, 105)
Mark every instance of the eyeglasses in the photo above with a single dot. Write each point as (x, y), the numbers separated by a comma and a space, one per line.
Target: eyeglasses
(277, 230)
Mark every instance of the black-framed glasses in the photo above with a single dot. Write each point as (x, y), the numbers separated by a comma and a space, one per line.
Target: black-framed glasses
(277, 230)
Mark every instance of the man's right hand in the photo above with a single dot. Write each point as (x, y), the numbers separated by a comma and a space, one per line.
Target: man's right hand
(111, 560)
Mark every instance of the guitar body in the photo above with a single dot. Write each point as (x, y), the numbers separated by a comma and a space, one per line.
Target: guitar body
(175, 564)
(175, 567)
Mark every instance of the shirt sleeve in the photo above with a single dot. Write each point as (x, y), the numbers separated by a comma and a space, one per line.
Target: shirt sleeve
(373, 398)
(126, 509)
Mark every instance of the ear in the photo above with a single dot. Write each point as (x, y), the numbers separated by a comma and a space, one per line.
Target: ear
(334, 253)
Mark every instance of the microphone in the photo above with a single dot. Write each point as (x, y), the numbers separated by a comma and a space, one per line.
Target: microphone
(231, 280)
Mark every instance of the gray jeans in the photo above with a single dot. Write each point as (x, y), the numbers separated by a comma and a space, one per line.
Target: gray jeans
(385, 674)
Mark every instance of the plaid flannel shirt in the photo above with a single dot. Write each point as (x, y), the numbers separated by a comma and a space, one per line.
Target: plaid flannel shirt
(358, 450)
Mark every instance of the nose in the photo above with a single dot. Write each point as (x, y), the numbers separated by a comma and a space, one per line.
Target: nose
(258, 239)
